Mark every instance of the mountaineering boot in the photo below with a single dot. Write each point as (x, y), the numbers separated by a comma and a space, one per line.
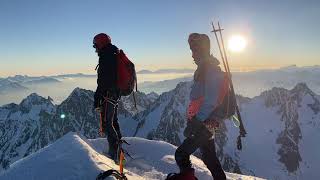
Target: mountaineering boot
(187, 174)
(111, 153)
(112, 156)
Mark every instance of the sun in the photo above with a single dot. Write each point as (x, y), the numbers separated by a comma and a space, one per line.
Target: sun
(237, 43)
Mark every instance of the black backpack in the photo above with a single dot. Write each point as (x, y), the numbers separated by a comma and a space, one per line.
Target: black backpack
(227, 107)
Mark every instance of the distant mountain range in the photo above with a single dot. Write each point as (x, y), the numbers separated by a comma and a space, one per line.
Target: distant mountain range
(20, 83)
(248, 84)
(295, 68)
(7, 86)
(162, 86)
(78, 75)
(166, 71)
(30, 80)
(253, 83)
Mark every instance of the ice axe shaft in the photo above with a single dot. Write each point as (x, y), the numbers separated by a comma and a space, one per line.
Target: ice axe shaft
(242, 130)
(221, 54)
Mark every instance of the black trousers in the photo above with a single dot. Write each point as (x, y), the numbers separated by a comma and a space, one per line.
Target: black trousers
(110, 125)
(207, 148)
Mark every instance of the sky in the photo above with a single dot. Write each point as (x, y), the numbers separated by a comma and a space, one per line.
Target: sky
(42, 37)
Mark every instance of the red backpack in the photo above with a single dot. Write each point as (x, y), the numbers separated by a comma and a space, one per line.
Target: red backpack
(127, 78)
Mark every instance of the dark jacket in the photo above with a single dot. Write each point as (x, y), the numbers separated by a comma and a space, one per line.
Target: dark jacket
(107, 74)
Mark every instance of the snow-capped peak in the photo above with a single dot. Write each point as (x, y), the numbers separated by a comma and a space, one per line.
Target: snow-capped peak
(79, 92)
(302, 88)
(277, 96)
(34, 99)
(18, 78)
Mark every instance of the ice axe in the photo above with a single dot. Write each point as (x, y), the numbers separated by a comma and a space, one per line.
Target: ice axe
(242, 131)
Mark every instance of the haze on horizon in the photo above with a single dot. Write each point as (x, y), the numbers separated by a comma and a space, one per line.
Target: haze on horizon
(55, 37)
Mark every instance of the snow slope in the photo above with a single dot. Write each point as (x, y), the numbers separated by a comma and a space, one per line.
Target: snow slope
(74, 157)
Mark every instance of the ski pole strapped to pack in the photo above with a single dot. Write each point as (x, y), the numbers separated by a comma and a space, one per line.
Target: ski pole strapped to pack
(242, 131)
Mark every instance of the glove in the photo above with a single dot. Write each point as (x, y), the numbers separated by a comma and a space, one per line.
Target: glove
(97, 109)
(211, 125)
(96, 103)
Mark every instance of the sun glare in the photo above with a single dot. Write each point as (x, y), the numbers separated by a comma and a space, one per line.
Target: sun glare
(237, 43)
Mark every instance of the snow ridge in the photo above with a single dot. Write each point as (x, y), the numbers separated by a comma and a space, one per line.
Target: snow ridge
(74, 157)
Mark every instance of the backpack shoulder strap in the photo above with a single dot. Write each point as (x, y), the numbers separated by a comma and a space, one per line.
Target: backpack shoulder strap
(224, 88)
